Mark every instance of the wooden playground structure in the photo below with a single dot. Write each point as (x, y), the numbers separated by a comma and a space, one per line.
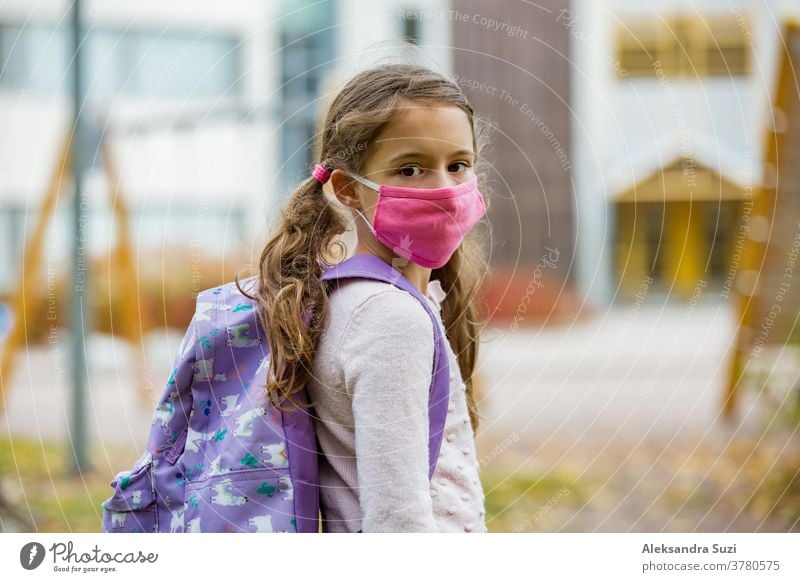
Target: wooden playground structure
(767, 297)
(123, 265)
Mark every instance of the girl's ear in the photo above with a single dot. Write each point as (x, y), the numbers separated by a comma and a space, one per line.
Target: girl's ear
(344, 188)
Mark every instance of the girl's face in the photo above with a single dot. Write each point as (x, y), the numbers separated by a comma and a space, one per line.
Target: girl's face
(428, 145)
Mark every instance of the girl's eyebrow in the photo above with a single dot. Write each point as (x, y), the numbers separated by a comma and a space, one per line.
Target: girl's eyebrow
(418, 155)
(463, 153)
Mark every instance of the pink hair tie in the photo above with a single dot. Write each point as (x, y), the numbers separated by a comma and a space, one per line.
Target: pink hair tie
(321, 173)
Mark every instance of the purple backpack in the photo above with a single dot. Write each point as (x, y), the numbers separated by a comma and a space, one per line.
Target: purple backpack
(220, 457)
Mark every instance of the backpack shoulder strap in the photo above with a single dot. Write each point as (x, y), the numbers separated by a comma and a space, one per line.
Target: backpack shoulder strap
(371, 267)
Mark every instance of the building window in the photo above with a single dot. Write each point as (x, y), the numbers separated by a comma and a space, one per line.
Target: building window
(640, 45)
(145, 63)
(307, 47)
(726, 49)
(684, 46)
(410, 26)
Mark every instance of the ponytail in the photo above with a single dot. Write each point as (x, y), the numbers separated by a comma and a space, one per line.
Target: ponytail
(289, 286)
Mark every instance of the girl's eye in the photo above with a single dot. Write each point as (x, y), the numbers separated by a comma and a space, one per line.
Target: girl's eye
(464, 164)
(412, 171)
(406, 169)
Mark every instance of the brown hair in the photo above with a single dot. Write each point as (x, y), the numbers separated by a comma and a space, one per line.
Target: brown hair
(304, 241)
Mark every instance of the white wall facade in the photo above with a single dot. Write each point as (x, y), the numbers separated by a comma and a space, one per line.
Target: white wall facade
(190, 165)
(626, 128)
(195, 167)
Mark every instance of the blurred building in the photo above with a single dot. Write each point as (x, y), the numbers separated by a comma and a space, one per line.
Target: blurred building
(626, 142)
(512, 59)
(183, 93)
(661, 108)
(671, 103)
(210, 113)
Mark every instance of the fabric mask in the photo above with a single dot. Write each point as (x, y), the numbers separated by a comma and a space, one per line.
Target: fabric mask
(425, 225)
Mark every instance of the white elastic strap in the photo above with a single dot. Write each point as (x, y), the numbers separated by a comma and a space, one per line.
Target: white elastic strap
(367, 183)
(364, 218)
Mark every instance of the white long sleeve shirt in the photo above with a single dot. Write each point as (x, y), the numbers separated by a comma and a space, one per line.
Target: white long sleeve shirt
(370, 386)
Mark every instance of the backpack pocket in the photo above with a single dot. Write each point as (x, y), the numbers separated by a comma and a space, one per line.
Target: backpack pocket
(132, 506)
(260, 500)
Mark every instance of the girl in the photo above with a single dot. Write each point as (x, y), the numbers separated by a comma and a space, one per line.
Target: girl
(396, 130)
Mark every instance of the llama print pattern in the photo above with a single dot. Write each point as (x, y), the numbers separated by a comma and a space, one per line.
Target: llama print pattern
(166, 410)
(223, 495)
(262, 523)
(118, 519)
(193, 438)
(244, 423)
(230, 405)
(204, 309)
(276, 455)
(203, 370)
(176, 523)
(216, 469)
(239, 337)
(194, 526)
(286, 486)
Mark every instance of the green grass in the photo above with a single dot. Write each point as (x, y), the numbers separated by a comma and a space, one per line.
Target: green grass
(521, 500)
(36, 480)
(36, 483)
(41, 492)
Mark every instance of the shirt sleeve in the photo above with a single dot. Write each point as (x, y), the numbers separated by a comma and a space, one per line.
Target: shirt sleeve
(387, 358)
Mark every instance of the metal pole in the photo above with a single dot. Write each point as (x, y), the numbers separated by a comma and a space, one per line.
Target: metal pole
(79, 315)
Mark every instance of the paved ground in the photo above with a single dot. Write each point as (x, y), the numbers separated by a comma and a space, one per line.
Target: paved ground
(613, 422)
(653, 371)
(120, 407)
(619, 418)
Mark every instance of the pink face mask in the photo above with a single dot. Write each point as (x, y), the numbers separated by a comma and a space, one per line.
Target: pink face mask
(425, 225)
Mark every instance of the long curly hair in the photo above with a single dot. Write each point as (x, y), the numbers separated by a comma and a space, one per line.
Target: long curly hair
(306, 239)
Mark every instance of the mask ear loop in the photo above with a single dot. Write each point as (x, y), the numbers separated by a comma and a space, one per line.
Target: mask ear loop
(372, 185)
(368, 183)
